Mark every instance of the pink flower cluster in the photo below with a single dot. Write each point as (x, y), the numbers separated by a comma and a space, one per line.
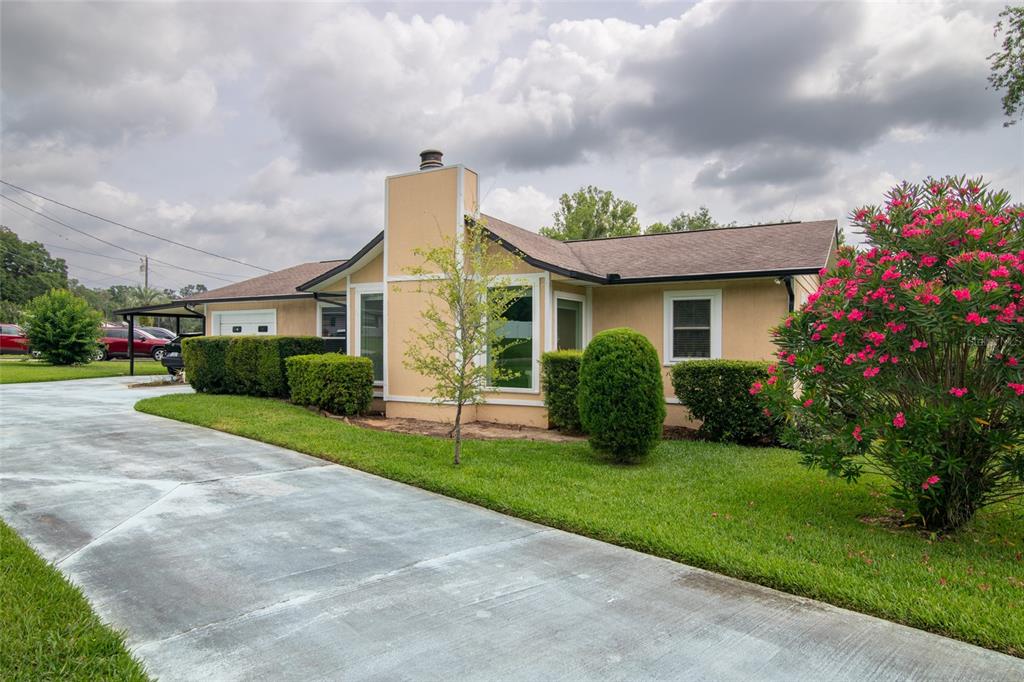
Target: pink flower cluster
(929, 482)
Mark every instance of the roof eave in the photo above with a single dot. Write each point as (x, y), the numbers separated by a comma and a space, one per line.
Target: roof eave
(347, 265)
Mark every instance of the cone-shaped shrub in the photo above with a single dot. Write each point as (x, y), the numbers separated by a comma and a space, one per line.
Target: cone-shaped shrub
(621, 394)
(909, 358)
(62, 328)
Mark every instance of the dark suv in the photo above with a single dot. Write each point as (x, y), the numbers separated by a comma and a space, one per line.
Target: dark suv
(172, 359)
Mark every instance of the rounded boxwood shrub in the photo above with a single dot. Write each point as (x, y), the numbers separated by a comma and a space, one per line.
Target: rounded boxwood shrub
(717, 393)
(62, 328)
(560, 378)
(341, 384)
(621, 394)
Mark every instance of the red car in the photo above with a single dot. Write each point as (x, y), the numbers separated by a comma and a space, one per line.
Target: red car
(115, 344)
(13, 339)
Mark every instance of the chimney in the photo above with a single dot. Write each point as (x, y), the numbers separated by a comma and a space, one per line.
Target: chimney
(430, 158)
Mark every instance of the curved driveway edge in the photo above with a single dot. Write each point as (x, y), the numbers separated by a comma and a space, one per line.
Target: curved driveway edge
(227, 559)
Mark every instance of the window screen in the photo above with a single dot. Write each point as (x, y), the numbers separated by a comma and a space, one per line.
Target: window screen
(691, 328)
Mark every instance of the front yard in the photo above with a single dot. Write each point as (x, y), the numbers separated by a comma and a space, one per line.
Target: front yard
(23, 370)
(751, 513)
(47, 629)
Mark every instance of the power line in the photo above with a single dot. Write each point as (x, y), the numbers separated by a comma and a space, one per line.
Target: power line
(88, 253)
(148, 234)
(43, 214)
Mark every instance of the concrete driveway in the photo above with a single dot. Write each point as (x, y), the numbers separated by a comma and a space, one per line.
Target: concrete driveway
(223, 559)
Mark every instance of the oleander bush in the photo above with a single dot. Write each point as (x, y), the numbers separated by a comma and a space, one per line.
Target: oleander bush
(62, 328)
(908, 361)
(715, 391)
(560, 378)
(341, 384)
(621, 394)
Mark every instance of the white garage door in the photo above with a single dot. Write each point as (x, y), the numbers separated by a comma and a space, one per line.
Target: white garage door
(245, 322)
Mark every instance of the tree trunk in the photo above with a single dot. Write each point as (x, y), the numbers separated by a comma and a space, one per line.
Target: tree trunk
(458, 434)
(952, 510)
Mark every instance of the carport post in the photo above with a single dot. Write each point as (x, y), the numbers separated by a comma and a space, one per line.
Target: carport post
(177, 325)
(131, 345)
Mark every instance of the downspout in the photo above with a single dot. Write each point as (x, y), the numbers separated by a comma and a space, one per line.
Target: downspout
(790, 294)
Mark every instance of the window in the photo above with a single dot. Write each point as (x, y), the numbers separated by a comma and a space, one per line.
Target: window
(116, 333)
(516, 353)
(693, 325)
(568, 323)
(332, 320)
(371, 331)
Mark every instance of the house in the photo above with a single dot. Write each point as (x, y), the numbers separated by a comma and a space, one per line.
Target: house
(709, 294)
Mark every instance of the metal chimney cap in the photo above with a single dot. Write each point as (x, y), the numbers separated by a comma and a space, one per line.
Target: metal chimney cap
(430, 158)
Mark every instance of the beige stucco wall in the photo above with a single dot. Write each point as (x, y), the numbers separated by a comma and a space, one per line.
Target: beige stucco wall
(295, 317)
(422, 211)
(373, 271)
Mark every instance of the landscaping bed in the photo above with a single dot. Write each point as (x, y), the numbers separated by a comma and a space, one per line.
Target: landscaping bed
(47, 629)
(752, 513)
(23, 371)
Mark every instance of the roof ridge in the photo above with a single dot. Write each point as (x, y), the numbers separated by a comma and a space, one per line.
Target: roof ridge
(711, 229)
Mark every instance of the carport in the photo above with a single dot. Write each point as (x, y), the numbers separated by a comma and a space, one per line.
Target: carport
(176, 310)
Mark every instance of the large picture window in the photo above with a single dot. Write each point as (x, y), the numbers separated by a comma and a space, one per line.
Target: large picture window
(371, 331)
(693, 325)
(516, 353)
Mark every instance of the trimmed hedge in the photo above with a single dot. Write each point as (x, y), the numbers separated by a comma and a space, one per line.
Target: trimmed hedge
(621, 394)
(245, 365)
(341, 384)
(560, 377)
(718, 393)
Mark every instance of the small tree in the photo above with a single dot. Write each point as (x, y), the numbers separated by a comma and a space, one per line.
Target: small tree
(459, 341)
(909, 358)
(62, 327)
(1008, 63)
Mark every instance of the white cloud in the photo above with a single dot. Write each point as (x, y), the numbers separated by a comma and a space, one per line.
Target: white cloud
(525, 206)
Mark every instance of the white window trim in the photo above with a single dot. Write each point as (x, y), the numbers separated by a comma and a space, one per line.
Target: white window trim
(356, 310)
(584, 322)
(532, 281)
(320, 305)
(215, 320)
(715, 296)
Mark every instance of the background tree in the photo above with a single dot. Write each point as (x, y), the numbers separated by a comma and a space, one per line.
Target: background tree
(688, 222)
(458, 341)
(910, 355)
(28, 270)
(62, 327)
(1008, 63)
(592, 213)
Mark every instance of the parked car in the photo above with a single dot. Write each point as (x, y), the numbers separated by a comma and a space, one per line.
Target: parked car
(13, 339)
(114, 344)
(172, 359)
(159, 332)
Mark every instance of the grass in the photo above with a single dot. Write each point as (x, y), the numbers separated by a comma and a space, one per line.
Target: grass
(47, 629)
(25, 370)
(751, 513)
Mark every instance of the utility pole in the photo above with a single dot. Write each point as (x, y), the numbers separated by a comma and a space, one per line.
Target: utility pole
(144, 267)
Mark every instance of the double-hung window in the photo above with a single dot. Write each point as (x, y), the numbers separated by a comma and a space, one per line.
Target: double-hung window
(693, 325)
(370, 334)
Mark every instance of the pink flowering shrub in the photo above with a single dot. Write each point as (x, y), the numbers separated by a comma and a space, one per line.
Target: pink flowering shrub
(908, 360)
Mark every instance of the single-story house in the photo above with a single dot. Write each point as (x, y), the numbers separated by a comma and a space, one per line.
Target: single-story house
(707, 294)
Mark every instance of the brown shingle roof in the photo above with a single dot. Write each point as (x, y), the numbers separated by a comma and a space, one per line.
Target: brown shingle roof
(280, 283)
(732, 251)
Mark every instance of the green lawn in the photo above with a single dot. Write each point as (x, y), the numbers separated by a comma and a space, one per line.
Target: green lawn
(47, 629)
(23, 370)
(751, 513)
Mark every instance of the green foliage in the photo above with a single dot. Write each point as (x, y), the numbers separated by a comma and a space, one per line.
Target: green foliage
(205, 359)
(28, 269)
(62, 328)
(462, 320)
(909, 358)
(560, 378)
(688, 222)
(10, 312)
(621, 394)
(1008, 64)
(340, 384)
(246, 365)
(717, 393)
(592, 213)
(47, 629)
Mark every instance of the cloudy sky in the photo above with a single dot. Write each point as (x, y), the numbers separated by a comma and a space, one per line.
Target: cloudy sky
(263, 131)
